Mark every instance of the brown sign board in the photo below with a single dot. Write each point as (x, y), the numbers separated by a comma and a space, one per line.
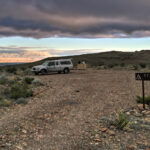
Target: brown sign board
(142, 76)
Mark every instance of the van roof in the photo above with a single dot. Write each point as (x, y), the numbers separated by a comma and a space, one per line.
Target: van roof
(69, 59)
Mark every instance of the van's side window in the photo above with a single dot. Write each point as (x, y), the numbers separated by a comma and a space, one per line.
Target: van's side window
(56, 62)
(65, 62)
(51, 63)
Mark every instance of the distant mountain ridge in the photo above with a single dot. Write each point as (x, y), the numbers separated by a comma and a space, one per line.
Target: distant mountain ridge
(8, 64)
(115, 58)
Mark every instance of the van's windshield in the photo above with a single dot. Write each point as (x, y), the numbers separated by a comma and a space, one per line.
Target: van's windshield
(45, 64)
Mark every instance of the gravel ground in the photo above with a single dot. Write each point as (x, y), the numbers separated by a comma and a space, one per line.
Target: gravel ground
(64, 109)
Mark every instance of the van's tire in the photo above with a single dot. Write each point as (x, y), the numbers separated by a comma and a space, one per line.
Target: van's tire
(66, 70)
(43, 71)
(36, 73)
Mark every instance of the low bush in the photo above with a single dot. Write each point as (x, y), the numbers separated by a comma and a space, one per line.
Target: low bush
(28, 71)
(28, 80)
(135, 67)
(37, 82)
(5, 103)
(122, 64)
(121, 120)
(19, 90)
(3, 80)
(139, 99)
(1, 97)
(11, 70)
(21, 101)
(111, 65)
(23, 68)
(142, 65)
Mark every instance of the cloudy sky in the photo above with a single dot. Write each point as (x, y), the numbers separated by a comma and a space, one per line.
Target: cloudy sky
(34, 29)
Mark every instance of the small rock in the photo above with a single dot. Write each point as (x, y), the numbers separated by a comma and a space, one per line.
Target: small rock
(105, 118)
(97, 140)
(24, 131)
(19, 147)
(112, 127)
(8, 144)
(138, 115)
(2, 145)
(111, 133)
(147, 113)
(131, 147)
(24, 144)
(128, 113)
(104, 129)
(140, 106)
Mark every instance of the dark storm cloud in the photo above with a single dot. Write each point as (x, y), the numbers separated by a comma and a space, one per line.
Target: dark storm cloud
(78, 18)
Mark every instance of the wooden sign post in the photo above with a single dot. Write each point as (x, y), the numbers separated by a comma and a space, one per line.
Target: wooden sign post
(143, 77)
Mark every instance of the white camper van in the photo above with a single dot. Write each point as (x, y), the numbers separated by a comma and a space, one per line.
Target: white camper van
(60, 65)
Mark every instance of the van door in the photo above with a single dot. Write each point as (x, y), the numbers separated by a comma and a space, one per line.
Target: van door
(57, 66)
(51, 66)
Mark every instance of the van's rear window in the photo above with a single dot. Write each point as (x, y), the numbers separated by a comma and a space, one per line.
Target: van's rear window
(65, 62)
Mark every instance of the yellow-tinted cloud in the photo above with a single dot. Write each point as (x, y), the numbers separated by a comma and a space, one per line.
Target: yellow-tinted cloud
(23, 56)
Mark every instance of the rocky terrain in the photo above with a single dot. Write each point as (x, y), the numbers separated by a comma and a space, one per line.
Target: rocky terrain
(71, 112)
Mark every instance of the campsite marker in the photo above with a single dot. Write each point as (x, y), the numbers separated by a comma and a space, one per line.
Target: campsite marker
(143, 77)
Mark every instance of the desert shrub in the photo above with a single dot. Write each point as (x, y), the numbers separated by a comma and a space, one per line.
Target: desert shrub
(18, 78)
(5, 103)
(135, 67)
(1, 97)
(3, 80)
(101, 63)
(28, 80)
(21, 101)
(121, 120)
(11, 70)
(36, 82)
(11, 82)
(142, 65)
(28, 71)
(122, 64)
(23, 68)
(139, 99)
(1, 70)
(110, 65)
(19, 90)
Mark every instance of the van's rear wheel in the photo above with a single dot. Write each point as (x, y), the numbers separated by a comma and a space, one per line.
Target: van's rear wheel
(66, 70)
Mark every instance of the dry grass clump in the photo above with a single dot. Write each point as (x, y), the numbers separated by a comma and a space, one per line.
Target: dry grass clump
(121, 120)
(139, 99)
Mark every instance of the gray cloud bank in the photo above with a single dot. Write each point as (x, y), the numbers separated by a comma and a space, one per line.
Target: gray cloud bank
(75, 18)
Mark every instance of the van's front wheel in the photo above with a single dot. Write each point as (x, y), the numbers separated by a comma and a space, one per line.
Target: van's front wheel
(66, 70)
(36, 73)
(43, 71)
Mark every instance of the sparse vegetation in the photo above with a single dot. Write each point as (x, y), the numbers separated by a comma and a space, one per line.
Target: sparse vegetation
(3, 80)
(36, 82)
(28, 80)
(142, 65)
(11, 70)
(121, 120)
(139, 99)
(122, 64)
(18, 90)
(28, 71)
(22, 101)
(5, 103)
(135, 67)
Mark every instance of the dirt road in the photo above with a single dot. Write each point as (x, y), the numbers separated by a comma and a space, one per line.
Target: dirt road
(58, 118)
